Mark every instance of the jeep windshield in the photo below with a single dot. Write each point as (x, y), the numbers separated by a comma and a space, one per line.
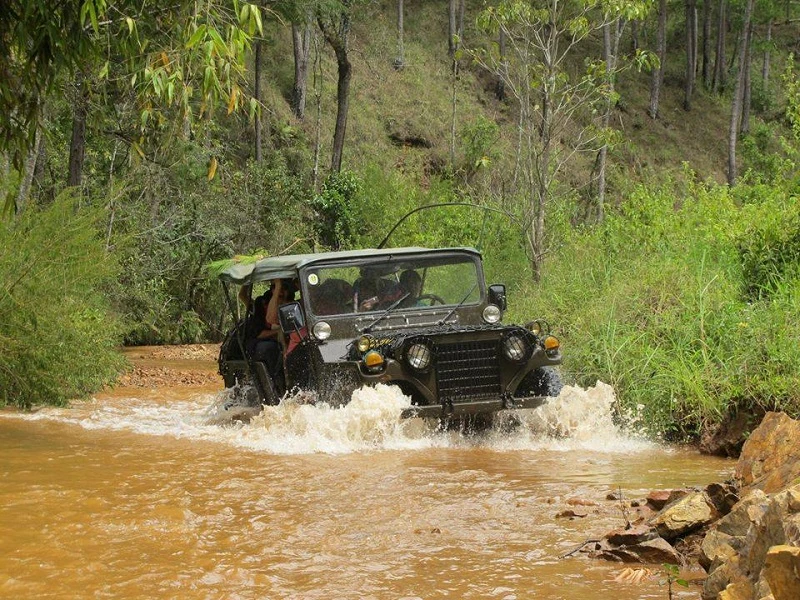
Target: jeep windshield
(398, 283)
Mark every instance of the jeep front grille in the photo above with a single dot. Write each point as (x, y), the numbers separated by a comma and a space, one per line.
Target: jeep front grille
(468, 370)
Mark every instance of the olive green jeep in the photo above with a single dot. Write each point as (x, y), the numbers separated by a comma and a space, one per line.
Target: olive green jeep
(421, 319)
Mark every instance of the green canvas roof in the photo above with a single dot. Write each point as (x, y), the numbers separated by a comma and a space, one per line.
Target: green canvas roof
(285, 267)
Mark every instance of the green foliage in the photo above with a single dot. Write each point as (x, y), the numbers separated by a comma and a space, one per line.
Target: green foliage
(479, 139)
(652, 302)
(57, 338)
(770, 247)
(165, 293)
(338, 222)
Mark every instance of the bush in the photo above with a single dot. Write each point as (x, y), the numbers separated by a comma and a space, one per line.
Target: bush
(651, 302)
(57, 340)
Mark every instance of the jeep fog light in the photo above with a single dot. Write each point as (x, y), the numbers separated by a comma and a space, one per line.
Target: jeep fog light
(364, 343)
(322, 331)
(419, 356)
(515, 348)
(373, 360)
(551, 344)
(491, 314)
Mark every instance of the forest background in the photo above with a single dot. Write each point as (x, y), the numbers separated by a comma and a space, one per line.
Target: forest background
(645, 155)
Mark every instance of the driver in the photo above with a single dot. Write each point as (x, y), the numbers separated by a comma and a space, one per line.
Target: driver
(411, 284)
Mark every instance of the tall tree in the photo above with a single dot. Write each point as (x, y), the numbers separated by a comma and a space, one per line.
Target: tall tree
(718, 79)
(661, 51)
(301, 45)
(400, 61)
(77, 145)
(738, 95)
(548, 95)
(691, 52)
(706, 71)
(336, 31)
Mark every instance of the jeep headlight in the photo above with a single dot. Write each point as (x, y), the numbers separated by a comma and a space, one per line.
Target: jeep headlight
(516, 348)
(322, 330)
(492, 313)
(419, 356)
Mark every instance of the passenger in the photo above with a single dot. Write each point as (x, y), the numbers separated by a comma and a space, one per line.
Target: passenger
(411, 283)
(295, 359)
(257, 332)
(332, 297)
(375, 293)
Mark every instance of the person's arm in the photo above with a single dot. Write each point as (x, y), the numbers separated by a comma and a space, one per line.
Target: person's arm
(272, 307)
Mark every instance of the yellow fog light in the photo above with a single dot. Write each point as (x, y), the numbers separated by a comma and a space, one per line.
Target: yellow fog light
(373, 360)
(364, 343)
(551, 343)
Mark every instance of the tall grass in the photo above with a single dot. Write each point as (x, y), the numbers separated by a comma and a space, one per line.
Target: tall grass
(655, 301)
(57, 340)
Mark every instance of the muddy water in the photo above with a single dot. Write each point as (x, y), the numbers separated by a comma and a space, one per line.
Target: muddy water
(151, 493)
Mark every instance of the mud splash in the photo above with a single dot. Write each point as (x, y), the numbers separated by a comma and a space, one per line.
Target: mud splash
(577, 419)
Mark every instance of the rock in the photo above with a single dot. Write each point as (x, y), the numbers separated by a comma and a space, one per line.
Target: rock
(581, 502)
(723, 496)
(782, 572)
(571, 514)
(684, 516)
(634, 535)
(770, 458)
(741, 590)
(728, 438)
(658, 499)
(716, 548)
(739, 545)
(655, 551)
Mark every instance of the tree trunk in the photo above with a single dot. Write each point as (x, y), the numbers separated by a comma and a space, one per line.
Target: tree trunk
(718, 82)
(451, 27)
(736, 105)
(338, 41)
(746, 94)
(28, 170)
(691, 52)
(301, 44)
(765, 64)
(500, 87)
(706, 72)
(400, 61)
(258, 98)
(635, 36)
(77, 145)
(661, 50)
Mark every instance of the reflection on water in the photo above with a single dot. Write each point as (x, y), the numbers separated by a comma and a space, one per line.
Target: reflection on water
(145, 494)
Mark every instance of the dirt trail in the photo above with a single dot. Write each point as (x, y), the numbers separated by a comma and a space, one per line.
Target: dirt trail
(171, 366)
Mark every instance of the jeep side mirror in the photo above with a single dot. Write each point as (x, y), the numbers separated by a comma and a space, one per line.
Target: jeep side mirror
(291, 317)
(497, 295)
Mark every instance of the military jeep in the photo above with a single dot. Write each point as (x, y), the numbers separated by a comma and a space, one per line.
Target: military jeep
(423, 320)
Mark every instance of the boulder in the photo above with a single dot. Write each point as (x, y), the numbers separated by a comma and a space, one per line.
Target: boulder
(723, 496)
(655, 551)
(634, 535)
(770, 458)
(782, 572)
(685, 515)
(739, 546)
(658, 499)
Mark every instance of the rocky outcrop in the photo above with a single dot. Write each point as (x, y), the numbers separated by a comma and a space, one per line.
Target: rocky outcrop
(770, 458)
(750, 528)
(736, 549)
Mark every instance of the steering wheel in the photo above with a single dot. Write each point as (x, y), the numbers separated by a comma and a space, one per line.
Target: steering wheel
(432, 297)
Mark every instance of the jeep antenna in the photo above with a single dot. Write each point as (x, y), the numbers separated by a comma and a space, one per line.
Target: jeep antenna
(486, 209)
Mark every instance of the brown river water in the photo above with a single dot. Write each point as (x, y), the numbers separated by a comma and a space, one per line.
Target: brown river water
(152, 493)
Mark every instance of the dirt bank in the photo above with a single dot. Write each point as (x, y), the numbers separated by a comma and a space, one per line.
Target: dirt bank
(162, 366)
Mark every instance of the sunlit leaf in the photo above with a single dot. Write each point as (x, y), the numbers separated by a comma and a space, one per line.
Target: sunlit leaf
(212, 168)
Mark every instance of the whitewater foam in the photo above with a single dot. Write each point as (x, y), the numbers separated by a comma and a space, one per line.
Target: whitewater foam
(577, 419)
